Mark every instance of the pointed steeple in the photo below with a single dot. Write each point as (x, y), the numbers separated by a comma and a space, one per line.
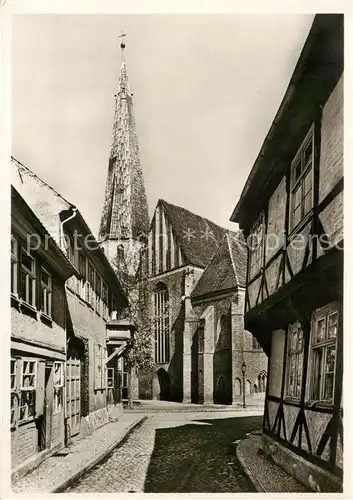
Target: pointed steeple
(125, 210)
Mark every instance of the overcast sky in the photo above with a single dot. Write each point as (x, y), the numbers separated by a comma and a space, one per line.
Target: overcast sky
(206, 89)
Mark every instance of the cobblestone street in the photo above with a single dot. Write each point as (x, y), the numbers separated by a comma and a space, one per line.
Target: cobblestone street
(175, 452)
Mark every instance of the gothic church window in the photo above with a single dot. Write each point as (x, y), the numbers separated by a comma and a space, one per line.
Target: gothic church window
(161, 323)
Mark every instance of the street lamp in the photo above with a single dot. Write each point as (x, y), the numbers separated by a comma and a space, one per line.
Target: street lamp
(243, 370)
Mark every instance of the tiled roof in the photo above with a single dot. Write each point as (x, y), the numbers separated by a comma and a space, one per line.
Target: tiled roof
(226, 269)
(197, 236)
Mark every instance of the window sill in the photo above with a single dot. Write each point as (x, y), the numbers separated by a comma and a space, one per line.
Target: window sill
(26, 421)
(321, 405)
(46, 319)
(291, 401)
(28, 308)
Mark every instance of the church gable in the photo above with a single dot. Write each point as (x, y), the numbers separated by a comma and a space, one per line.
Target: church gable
(226, 268)
(165, 252)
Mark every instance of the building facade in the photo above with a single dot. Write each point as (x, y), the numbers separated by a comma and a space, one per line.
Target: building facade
(198, 310)
(294, 298)
(95, 335)
(39, 270)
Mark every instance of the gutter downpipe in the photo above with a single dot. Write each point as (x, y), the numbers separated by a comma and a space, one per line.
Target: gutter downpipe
(62, 239)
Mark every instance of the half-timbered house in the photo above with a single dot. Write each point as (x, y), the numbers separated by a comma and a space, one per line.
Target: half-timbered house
(291, 213)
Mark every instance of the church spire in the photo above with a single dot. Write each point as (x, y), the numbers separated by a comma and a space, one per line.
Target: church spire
(125, 210)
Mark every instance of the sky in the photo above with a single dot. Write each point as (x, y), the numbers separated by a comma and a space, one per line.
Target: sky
(206, 89)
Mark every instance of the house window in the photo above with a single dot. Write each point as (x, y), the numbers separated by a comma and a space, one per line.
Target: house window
(46, 291)
(28, 278)
(111, 378)
(82, 271)
(255, 245)
(295, 355)
(14, 397)
(98, 293)
(323, 354)
(302, 181)
(14, 265)
(28, 389)
(100, 367)
(90, 285)
(69, 248)
(161, 323)
(58, 387)
(105, 300)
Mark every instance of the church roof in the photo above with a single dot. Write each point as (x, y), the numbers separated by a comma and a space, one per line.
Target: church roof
(227, 268)
(125, 210)
(198, 237)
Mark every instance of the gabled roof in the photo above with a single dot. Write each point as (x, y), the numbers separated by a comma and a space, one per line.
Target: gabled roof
(54, 254)
(227, 268)
(46, 211)
(198, 237)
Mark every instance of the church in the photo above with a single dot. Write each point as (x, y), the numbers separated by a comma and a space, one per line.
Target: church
(196, 273)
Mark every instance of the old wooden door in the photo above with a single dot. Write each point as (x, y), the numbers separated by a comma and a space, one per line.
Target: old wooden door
(73, 396)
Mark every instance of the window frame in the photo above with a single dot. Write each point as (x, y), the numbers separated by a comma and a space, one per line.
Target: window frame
(58, 388)
(82, 270)
(32, 278)
(98, 291)
(105, 301)
(258, 252)
(299, 183)
(14, 399)
(296, 354)
(14, 266)
(317, 379)
(49, 292)
(90, 284)
(28, 389)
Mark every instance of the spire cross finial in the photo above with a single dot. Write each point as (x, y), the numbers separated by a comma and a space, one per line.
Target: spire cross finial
(122, 45)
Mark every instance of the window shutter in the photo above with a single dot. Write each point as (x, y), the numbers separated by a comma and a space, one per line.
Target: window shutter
(40, 389)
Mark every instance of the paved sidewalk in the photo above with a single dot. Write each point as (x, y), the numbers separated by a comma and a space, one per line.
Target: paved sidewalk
(266, 476)
(56, 473)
